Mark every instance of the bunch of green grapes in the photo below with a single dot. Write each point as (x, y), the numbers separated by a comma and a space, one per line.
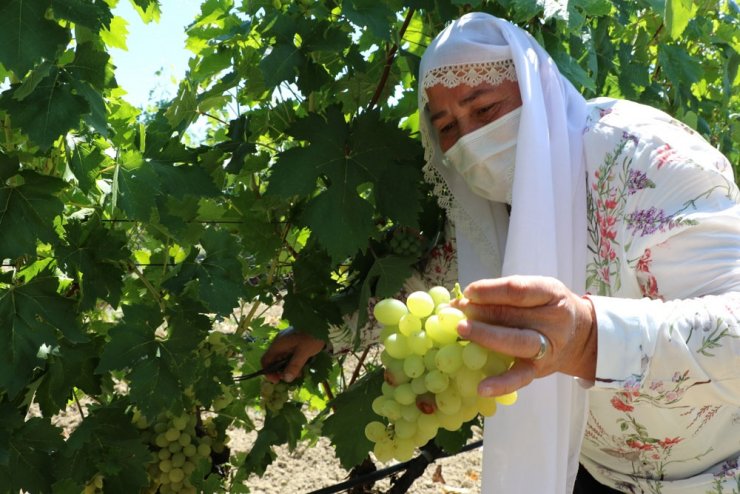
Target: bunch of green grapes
(177, 449)
(405, 242)
(431, 376)
(274, 395)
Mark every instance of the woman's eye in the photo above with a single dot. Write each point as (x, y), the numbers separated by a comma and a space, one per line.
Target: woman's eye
(486, 109)
(445, 129)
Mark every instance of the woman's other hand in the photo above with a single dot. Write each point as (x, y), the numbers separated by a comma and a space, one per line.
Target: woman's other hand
(293, 344)
(509, 314)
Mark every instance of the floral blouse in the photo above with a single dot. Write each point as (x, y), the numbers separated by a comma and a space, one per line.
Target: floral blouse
(664, 271)
(664, 275)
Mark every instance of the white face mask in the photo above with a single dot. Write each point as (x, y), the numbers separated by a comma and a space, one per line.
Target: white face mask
(486, 157)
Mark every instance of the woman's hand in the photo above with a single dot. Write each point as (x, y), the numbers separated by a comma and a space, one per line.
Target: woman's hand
(297, 345)
(508, 315)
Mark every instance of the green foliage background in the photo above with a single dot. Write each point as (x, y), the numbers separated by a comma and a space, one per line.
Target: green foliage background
(125, 241)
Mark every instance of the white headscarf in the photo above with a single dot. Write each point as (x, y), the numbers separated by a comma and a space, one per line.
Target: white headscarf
(532, 446)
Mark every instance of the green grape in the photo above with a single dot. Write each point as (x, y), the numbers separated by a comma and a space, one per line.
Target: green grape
(413, 366)
(161, 441)
(450, 422)
(394, 373)
(449, 317)
(404, 429)
(448, 401)
(176, 475)
(180, 422)
(429, 359)
(392, 410)
(377, 405)
(418, 385)
(384, 450)
(420, 304)
(403, 449)
(163, 454)
(375, 431)
(427, 424)
(496, 364)
(449, 358)
(184, 439)
(468, 412)
(486, 406)
(409, 324)
(387, 389)
(439, 335)
(474, 356)
(419, 342)
(386, 331)
(507, 399)
(178, 460)
(440, 295)
(467, 380)
(190, 450)
(165, 465)
(389, 311)
(404, 394)
(204, 450)
(410, 412)
(436, 381)
(397, 346)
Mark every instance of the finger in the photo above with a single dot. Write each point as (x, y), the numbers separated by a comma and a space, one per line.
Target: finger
(519, 291)
(521, 343)
(505, 315)
(519, 375)
(295, 365)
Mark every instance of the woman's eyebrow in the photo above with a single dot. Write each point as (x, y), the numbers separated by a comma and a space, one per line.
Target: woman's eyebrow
(466, 100)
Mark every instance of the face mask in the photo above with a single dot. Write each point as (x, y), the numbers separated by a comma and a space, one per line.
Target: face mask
(486, 157)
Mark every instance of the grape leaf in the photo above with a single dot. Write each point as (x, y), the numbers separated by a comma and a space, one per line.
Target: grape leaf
(218, 275)
(132, 339)
(352, 411)
(32, 315)
(27, 36)
(453, 441)
(30, 460)
(50, 111)
(27, 211)
(677, 15)
(376, 16)
(280, 64)
(341, 220)
(73, 367)
(261, 454)
(91, 65)
(94, 256)
(154, 387)
(105, 442)
(138, 187)
(681, 67)
(94, 14)
(85, 162)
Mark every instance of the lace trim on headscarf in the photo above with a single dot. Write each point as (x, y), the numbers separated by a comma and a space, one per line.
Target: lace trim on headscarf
(471, 74)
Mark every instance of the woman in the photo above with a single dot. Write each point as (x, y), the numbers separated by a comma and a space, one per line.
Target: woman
(607, 198)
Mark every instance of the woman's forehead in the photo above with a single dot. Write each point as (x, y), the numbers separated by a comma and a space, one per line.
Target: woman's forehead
(441, 95)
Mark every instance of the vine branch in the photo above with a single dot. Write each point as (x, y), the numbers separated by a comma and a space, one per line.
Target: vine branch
(389, 58)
